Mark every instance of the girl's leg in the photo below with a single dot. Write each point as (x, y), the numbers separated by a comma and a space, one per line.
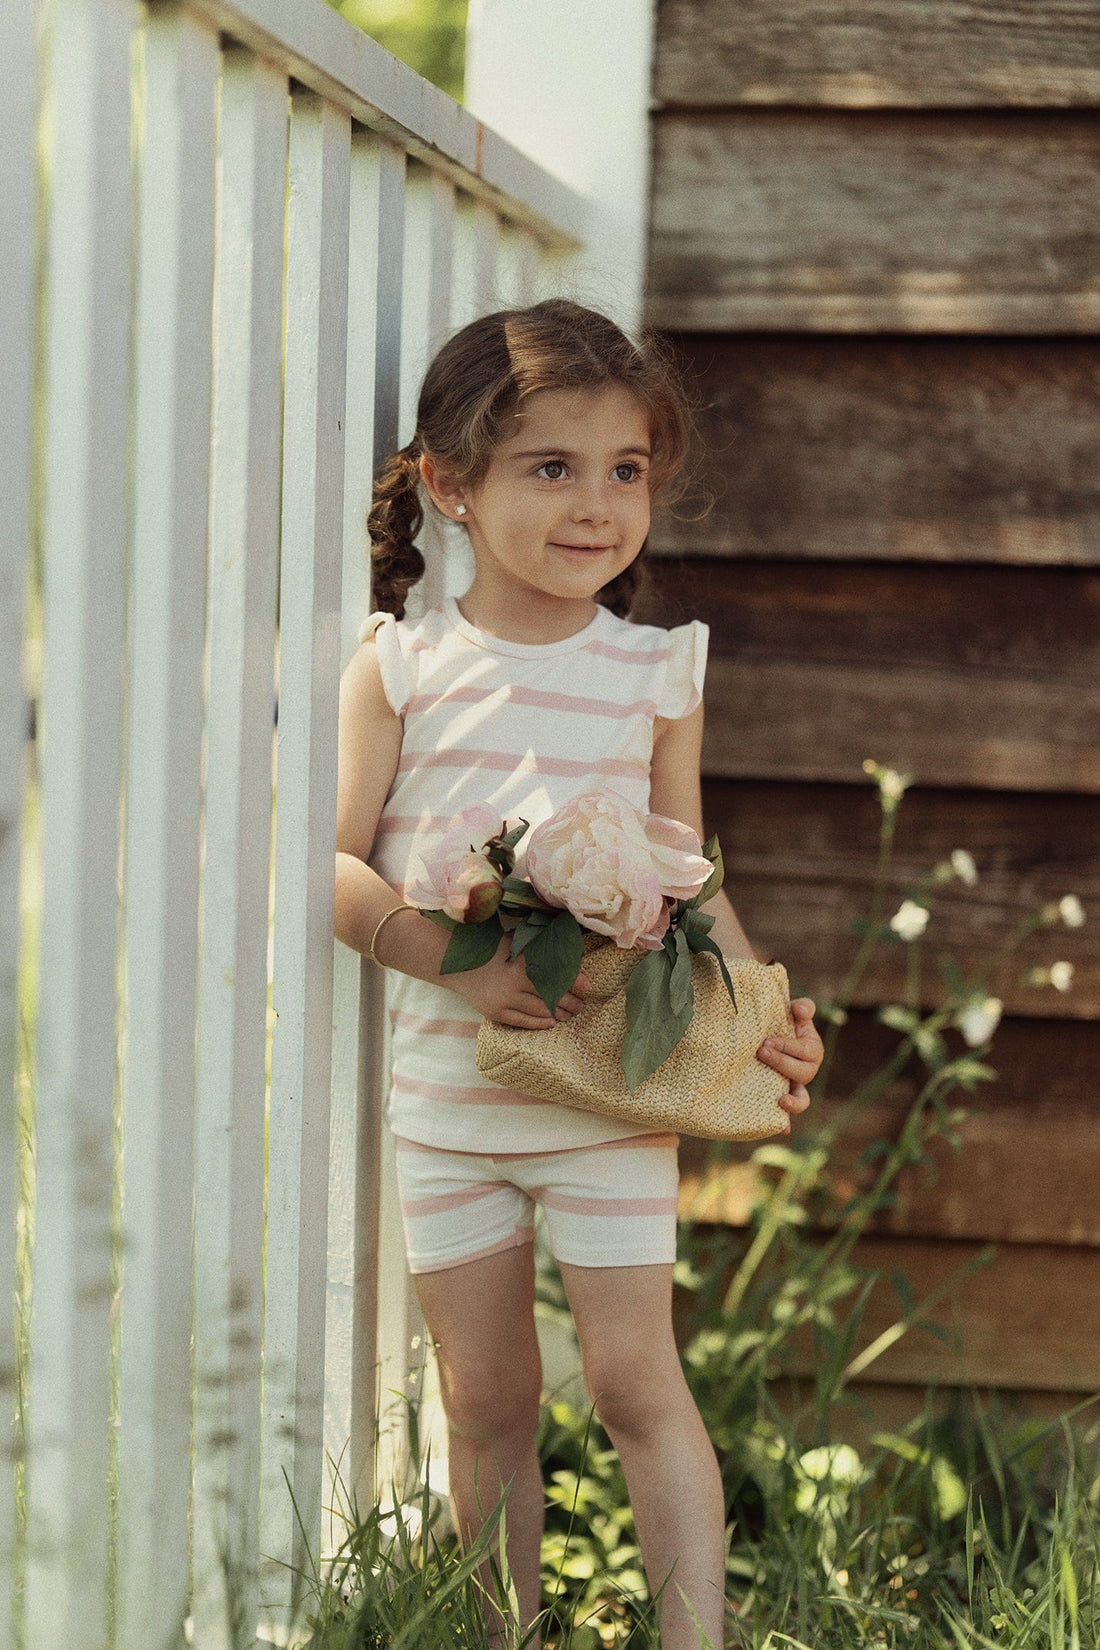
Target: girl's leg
(481, 1318)
(632, 1370)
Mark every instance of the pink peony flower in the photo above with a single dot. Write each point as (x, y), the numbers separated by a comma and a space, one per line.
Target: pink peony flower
(456, 877)
(616, 869)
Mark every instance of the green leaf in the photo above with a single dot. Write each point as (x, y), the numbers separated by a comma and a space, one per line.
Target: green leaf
(695, 923)
(652, 1028)
(554, 956)
(703, 943)
(680, 992)
(713, 852)
(519, 893)
(441, 919)
(523, 936)
(473, 944)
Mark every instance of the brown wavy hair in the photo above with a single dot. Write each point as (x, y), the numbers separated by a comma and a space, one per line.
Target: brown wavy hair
(471, 393)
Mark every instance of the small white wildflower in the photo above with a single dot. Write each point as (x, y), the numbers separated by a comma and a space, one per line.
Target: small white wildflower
(892, 785)
(962, 863)
(909, 920)
(979, 1020)
(1061, 975)
(1071, 911)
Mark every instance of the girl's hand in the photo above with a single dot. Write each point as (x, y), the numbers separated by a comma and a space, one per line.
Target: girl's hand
(501, 991)
(796, 1058)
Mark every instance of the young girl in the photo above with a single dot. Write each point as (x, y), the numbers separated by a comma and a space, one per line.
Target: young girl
(546, 433)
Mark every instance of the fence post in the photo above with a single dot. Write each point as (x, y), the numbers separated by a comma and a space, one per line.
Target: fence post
(309, 664)
(84, 557)
(163, 814)
(232, 1030)
(18, 275)
(375, 268)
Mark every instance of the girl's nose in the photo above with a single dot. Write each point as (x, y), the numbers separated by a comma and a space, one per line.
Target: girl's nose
(592, 505)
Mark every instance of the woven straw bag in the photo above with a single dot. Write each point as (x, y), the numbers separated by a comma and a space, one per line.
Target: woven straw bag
(711, 1085)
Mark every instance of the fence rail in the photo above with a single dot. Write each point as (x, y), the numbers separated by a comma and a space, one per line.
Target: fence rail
(242, 227)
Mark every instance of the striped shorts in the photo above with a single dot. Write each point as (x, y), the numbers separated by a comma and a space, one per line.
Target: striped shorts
(606, 1205)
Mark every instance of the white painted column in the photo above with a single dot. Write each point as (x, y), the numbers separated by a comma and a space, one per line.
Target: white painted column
(376, 241)
(305, 829)
(84, 557)
(232, 1032)
(18, 274)
(167, 629)
(569, 83)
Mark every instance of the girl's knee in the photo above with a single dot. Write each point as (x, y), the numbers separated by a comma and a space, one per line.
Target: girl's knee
(633, 1398)
(487, 1403)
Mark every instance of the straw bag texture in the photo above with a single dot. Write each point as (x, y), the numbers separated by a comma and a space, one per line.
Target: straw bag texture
(711, 1085)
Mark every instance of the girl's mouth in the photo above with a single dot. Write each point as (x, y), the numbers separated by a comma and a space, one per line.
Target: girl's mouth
(585, 549)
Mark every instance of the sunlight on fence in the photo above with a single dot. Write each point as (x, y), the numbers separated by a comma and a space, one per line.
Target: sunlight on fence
(243, 228)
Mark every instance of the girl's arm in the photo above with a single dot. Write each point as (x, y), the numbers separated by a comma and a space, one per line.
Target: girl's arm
(369, 750)
(675, 790)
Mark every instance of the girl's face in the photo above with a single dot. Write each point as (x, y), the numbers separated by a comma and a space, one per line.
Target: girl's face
(564, 505)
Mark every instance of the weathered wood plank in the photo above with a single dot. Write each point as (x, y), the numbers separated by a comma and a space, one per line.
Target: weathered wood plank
(1030, 1319)
(1030, 1152)
(872, 1407)
(883, 53)
(849, 222)
(800, 864)
(923, 449)
(815, 667)
(87, 472)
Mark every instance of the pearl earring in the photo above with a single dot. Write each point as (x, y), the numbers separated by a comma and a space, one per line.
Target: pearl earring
(460, 509)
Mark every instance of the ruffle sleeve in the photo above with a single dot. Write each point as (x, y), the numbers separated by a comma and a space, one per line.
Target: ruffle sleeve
(398, 671)
(682, 688)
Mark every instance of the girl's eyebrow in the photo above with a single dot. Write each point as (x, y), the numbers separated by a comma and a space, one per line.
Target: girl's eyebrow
(565, 452)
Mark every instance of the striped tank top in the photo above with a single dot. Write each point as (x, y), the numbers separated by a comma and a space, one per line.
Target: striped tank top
(524, 728)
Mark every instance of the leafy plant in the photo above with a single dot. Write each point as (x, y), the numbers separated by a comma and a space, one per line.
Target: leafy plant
(968, 1528)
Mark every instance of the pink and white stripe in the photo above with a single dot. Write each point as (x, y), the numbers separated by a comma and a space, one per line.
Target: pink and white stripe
(524, 729)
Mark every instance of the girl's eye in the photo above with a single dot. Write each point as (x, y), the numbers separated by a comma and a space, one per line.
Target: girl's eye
(631, 470)
(552, 464)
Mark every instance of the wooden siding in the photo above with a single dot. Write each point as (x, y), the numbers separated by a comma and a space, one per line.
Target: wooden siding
(1028, 1319)
(881, 52)
(1030, 1143)
(800, 863)
(887, 656)
(884, 286)
(846, 221)
(895, 447)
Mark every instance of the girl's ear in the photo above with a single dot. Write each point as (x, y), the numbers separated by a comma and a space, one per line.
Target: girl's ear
(445, 492)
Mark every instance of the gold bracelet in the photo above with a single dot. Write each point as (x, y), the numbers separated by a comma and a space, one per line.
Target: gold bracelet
(373, 955)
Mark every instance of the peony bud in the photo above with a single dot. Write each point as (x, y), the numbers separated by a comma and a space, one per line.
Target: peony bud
(474, 889)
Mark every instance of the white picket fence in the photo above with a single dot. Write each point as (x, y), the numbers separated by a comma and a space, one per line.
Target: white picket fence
(233, 231)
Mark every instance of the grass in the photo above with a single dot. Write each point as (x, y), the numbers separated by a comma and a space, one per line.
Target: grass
(969, 1527)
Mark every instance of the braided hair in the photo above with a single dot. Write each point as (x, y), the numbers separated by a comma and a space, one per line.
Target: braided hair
(471, 393)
